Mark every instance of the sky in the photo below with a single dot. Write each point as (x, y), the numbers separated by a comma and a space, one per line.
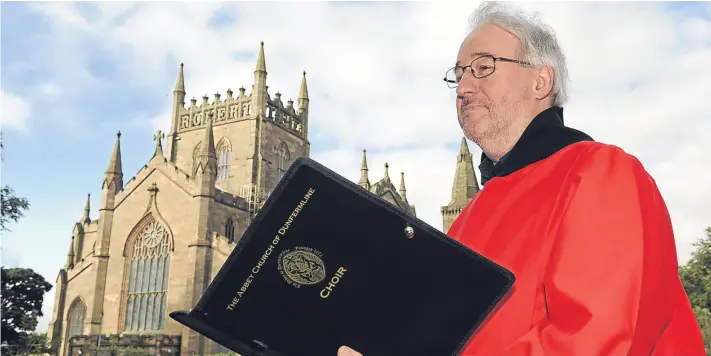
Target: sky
(73, 74)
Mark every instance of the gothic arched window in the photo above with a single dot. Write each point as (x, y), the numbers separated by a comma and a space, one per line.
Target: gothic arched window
(282, 161)
(75, 318)
(230, 230)
(196, 154)
(148, 266)
(223, 150)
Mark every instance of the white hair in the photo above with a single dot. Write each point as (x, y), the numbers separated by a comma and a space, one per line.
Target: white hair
(538, 41)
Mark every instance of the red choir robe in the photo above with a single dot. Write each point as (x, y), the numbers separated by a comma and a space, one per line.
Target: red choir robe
(587, 234)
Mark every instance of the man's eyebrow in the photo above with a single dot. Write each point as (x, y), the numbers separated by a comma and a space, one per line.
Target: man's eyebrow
(479, 54)
(474, 55)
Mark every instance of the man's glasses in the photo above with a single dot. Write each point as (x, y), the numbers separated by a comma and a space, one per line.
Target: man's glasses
(480, 67)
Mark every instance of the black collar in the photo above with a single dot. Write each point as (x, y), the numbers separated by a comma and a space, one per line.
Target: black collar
(544, 136)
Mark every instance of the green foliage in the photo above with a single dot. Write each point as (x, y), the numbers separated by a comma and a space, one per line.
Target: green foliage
(37, 343)
(22, 295)
(13, 207)
(33, 344)
(704, 318)
(696, 277)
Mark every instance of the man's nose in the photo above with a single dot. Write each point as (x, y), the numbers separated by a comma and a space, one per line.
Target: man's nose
(467, 84)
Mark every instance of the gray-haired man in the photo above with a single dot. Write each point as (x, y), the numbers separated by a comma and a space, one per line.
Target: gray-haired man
(581, 224)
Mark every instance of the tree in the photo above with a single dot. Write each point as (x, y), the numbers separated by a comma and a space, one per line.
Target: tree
(22, 295)
(13, 207)
(696, 277)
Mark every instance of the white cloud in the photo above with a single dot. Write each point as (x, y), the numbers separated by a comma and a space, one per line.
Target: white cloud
(50, 89)
(14, 112)
(640, 80)
(375, 71)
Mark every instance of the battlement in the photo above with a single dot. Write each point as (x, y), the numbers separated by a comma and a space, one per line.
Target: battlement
(231, 108)
(285, 116)
(239, 107)
(228, 199)
(243, 106)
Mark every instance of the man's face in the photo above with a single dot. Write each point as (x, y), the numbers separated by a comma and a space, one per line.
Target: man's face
(486, 107)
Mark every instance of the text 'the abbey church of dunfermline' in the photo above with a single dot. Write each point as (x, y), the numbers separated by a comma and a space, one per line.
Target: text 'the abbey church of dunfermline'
(162, 235)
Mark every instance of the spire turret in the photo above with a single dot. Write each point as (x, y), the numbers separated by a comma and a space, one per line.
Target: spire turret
(180, 83)
(465, 183)
(386, 176)
(303, 102)
(115, 160)
(87, 210)
(261, 63)
(364, 182)
(178, 107)
(465, 187)
(403, 191)
(113, 185)
(113, 178)
(259, 89)
(304, 91)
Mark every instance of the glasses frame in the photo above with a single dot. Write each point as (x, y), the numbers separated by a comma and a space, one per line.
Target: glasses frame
(452, 84)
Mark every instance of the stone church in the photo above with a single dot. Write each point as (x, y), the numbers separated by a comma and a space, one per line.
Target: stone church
(162, 235)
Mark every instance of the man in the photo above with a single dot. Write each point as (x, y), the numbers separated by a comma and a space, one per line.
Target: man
(581, 224)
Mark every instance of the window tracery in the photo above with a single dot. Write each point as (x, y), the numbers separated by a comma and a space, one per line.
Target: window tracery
(230, 230)
(196, 155)
(75, 318)
(148, 269)
(282, 161)
(224, 149)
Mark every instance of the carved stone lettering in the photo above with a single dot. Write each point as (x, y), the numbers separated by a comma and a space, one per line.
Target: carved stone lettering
(234, 111)
(185, 122)
(221, 114)
(197, 119)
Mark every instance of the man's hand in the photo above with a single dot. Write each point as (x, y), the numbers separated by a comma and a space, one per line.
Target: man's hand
(347, 351)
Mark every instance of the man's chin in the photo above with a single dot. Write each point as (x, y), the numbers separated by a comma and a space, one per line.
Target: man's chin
(475, 127)
(476, 118)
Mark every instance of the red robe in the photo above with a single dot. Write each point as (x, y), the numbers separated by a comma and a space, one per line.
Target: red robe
(589, 239)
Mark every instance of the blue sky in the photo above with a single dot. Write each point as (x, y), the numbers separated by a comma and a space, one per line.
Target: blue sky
(73, 74)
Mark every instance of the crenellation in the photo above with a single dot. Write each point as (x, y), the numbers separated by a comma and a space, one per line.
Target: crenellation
(284, 117)
(231, 200)
(290, 107)
(229, 110)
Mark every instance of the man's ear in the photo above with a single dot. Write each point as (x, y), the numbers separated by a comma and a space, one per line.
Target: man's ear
(545, 78)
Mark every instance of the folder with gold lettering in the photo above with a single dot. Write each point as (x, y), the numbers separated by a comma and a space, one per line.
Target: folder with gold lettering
(326, 263)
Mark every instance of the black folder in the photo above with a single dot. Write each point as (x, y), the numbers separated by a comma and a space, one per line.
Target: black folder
(327, 263)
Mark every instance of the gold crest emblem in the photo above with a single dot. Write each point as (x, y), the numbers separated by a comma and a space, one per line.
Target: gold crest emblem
(302, 266)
